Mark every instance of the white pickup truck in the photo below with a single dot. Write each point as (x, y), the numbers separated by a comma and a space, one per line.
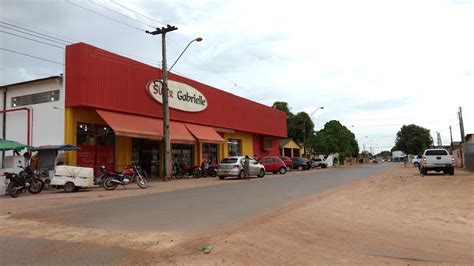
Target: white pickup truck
(437, 160)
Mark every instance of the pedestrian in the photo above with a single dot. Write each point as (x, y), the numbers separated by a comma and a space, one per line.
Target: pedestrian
(27, 157)
(204, 166)
(247, 167)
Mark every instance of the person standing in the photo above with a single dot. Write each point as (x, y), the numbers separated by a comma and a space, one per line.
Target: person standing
(247, 167)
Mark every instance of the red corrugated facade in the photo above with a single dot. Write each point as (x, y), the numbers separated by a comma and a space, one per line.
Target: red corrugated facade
(99, 79)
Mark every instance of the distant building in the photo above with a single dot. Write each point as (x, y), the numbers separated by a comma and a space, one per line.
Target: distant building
(290, 148)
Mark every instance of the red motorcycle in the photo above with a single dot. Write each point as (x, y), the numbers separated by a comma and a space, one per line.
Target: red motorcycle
(131, 173)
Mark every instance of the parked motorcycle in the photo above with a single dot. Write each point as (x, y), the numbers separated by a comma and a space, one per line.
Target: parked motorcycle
(179, 171)
(103, 175)
(211, 171)
(27, 179)
(132, 173)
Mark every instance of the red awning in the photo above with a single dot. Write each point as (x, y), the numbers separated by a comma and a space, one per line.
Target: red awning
(205, 134)
(145, 127)
(132, 125)
(180, 134)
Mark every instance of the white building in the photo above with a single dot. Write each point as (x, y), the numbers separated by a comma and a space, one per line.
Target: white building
(32, 112)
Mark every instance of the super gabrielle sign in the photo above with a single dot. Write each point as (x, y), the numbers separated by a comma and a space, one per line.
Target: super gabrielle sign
(180, 96)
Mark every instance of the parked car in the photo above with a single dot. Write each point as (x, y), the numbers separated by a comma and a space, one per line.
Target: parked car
(416, 160)
(288, 162)
(437, 160)
(300, 163)
(318, 162)
(233, 166)
(273, 164)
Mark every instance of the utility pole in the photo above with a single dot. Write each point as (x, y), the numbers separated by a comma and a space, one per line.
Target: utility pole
(461, 124)
(164, 94)
(438, 138)
(451, 135)
(461, 127)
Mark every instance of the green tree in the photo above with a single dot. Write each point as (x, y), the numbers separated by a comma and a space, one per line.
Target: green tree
(413, 139)
(297, 125)
(336, 138)
(282, 106)
(302, 128)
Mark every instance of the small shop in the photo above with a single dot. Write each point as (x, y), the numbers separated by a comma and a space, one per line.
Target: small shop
(290, 148)
(113, 112)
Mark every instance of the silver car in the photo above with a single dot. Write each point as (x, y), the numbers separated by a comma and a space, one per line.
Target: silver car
(233, 166)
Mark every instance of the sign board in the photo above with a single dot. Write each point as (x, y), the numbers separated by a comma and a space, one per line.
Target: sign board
(180, 96)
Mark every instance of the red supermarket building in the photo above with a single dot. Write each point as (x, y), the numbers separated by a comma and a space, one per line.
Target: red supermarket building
(113, 112)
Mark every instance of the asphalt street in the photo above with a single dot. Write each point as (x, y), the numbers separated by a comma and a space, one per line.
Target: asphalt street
(206, 208)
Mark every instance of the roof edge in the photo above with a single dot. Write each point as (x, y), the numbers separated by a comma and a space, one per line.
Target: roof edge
(32, 81)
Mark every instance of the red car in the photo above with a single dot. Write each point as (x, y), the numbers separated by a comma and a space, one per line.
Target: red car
(288, 162)
(273, 164)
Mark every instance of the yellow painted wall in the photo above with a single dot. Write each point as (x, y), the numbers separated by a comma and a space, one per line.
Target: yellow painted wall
(246, 141)
(123, 152)
(72, 117)
(123, 147)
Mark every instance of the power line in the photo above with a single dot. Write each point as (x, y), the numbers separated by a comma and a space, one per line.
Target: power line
(136, 12)
(200, 61)
(102, 15)
(29, 26)
(34, 35)
(53, 39)
(31, 39)
(152, 61)
(111, 10)
(40, 58)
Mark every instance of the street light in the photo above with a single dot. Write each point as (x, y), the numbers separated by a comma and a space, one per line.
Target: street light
(198, 39)
(304, 129)
(164, 94)
(166, 116)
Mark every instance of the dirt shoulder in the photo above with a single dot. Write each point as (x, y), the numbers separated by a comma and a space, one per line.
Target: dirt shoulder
(399, 217)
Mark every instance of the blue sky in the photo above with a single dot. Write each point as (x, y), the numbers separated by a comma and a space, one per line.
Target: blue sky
(373, 65)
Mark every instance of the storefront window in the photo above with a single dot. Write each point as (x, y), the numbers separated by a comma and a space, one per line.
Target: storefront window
(97, 145)
(146, 154)
(235, 147)
(85, 134)
(210, 152)
(182, 154)
(268, 143)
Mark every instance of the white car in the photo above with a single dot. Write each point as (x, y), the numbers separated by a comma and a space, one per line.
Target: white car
(233, 166)
(416, 160)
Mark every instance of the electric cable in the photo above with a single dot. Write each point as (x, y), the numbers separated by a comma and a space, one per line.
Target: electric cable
(31, 39)
(199, 60)
(116, 12)
(50, 38)
(102, 15)
(40, 58)
(29, 26)
(136, 12)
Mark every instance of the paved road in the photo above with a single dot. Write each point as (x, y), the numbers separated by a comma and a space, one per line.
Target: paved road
(207, 208)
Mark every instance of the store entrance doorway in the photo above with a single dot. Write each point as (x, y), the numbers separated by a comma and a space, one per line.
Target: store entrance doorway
(145, 153)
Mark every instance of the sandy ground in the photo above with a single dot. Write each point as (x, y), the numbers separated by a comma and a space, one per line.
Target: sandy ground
(398, 217)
